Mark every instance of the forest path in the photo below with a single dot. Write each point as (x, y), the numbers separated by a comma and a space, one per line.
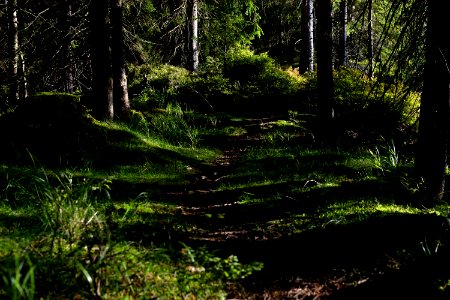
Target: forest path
(350, 262)
(221, 224)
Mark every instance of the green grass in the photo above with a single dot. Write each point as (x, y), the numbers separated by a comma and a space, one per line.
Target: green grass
(81, 237)
(119, 220)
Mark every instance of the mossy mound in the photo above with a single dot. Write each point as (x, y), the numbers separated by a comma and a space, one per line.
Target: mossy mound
(54, 128)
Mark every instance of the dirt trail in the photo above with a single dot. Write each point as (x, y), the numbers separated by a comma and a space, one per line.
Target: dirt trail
(235, 236)
(345, 263)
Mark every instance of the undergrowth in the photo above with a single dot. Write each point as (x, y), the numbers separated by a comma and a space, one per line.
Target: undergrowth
(80, 252)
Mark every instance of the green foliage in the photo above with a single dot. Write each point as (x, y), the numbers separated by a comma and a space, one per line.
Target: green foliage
(78, 256)
(258, 75)
(367, 109)
(156, 86)
(138, 122)
(68, 211)
(202, 266)
(387, 160)
(243, 79)
(18, 279)
(227, 24)
(173, 126)
(222, 269)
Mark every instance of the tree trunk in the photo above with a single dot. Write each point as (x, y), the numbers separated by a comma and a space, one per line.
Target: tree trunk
(431, 157)
(193, 41)
(68, 55)
(370, 39)
(24, 79)
(307, 37)
(342, 51)
(325, 70)
(121, 100)
(102, 81)
(14, 51)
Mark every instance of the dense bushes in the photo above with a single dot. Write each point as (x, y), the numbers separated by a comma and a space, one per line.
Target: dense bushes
(241, 82)
(367, 109)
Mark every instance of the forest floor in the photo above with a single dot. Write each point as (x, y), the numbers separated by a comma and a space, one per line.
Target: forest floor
(325, 222)
(378, 257)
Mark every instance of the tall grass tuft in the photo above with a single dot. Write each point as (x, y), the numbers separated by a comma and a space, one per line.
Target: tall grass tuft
(173, 125)
(69, 209)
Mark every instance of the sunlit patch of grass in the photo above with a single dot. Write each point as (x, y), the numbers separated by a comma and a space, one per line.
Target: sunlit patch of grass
(226, 131)
(147, 173)
(274, 166)
(143, 158)
(293, 224)
(356, 211)
(142, 210)
(147, 142)
(133, 173)
(247, 185)
(345, 213)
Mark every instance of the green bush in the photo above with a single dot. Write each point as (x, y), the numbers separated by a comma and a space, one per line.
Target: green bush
(156, 86)
(244, 79)
(258, 75)
(368, 109)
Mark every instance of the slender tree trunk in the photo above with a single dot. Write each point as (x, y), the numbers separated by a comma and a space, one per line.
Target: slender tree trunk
(121, 100)
(193, 40)
(342, 51)
(102, 85)
(325, 83)
(432, 147)
(370, 38)
(14, 51)
(24, 79)
(307, 35)
(69, 68)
